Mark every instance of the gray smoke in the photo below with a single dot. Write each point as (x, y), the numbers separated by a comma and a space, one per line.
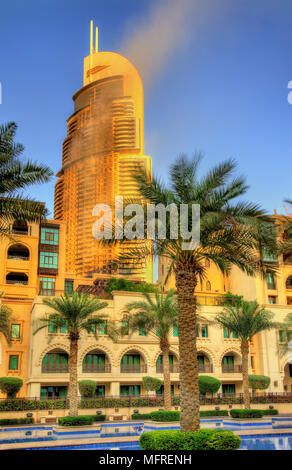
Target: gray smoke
(150, 44)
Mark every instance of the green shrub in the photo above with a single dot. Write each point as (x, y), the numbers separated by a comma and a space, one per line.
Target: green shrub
(223, 440)
(161, 440)
(269, 412)
(10, 386)
(214, 413)
(208, 384)
(87, 388)
(165, 415)
(205, 439)
(246, 413)
(151, 384)
(99, 417)
(123, 284)
(258, 382)
(4, 422)
(82, 420)
(90, 403)
(141, 416)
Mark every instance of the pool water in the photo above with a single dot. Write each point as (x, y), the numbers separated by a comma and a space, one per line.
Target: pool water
(52, 433)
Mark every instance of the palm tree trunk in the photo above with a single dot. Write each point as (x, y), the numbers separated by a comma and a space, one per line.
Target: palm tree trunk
(188, 364)
(244, 353)
(73, 391)
(166, 378)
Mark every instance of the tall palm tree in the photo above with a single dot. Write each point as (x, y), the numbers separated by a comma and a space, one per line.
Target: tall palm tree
(158, 316)
(77, 313)
(230, 235)
(16, 175)
(246, 319)
(5, 318)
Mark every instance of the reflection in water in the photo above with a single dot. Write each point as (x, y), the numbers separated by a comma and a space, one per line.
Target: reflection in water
(267, 443)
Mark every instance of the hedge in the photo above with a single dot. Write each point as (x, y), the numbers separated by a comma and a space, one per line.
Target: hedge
(214, 413)
(165, 415)
(4, 422)
(141, 416)
(82, 420)
(270, 412)
(205, 439)
(174, 415)
(99, 417)
(247, 413)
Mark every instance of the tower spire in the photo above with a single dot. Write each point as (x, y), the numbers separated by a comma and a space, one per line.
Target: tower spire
(91, 37)
(96, 39)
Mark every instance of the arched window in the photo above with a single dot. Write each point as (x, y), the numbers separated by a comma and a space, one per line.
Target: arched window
(20, 279)
(208, 285)
(18, 251)
(132, 362)
(95, 362)
(55, 362)
(289, 282)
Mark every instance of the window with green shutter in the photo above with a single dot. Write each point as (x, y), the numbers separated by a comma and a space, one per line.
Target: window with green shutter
(68, 286)
(175, 331)
(15, 331)
(13, 362)
(226, 333)
(102, 327)
(49, 236)
(64, 329)
(47, 286)
(204, 331)
(48, 260)
(52, 327)
(281, 336)
(142, 332)
(125, 327)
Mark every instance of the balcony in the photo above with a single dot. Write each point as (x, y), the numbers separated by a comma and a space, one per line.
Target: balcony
(54, 368)
(173, 368)
(206, 368)
(96, 368)
(231, 368)
(133, 368)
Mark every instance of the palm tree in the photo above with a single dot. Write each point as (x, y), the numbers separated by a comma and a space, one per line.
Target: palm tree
(5, 318)
(76, 313)
(230, 235)
(246, 319)
(15, 176)
(158, 316)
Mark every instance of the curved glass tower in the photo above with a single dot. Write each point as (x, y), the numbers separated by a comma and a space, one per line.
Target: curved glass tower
(105, 141)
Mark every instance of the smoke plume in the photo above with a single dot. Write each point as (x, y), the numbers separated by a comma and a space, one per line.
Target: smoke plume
(150, 44)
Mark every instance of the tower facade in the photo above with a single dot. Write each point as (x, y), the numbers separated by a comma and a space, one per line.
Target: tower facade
(104, 143)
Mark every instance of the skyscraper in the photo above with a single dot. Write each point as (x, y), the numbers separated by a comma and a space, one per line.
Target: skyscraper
(104, 143)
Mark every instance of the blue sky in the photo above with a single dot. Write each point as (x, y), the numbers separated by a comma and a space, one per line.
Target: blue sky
(222, 90)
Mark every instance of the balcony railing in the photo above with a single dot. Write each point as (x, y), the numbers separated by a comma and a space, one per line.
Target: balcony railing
(133, 368)
(47, 292)
(173, 368)
(206, 368)
(54, 368)
(35, 403)
(17, 283)
(96, 368)
(18, 257)
(231, 368)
